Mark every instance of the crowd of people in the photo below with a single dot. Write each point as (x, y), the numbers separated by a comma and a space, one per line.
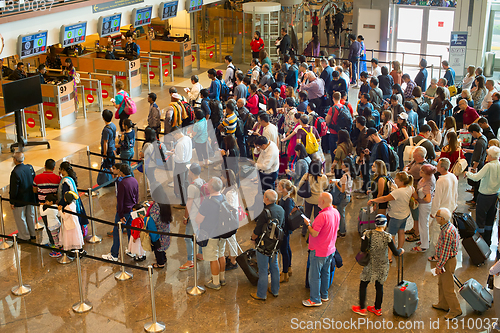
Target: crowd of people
(282, 119)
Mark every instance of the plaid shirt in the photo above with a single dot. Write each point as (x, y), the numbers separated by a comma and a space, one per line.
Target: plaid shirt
(409, 90)
(447, 245)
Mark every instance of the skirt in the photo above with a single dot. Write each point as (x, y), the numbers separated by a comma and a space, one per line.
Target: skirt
(71, 239)
(136, 248)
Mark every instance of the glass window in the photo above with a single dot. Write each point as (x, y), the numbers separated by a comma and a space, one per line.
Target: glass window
(438, 50)
(410, 48)
(495, 34)
(440, 25)
(410, 23)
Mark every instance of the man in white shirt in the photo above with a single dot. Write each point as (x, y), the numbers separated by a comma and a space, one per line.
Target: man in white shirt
(376, 71)
(443, 84)
(230, 71)
(343, 74)
(267, 163)
(194, 94)
(182, 154)
(270, 130)
(488, 99)
(255, 71)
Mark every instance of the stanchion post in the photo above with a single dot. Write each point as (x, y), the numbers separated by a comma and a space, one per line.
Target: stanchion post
(21, 289)
(122, 275)
(149, 79)
(160, 73)
(136, 148)
(82, 306)
(172, 67)
(196, 290)
(4, 245)
(153, 326)
(144, 180)
(94, 239)
(90, 166)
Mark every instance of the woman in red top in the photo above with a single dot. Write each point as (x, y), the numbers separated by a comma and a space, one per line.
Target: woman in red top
(256, 44)
(452, 150)
(253, 100)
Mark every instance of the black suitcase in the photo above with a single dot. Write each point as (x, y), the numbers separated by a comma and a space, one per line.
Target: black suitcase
(248, 263)
(465, 224)
(477, 249)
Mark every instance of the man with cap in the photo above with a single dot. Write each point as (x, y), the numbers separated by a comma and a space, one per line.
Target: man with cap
(446, 252)
(192, 206)
(378, 267)
(379, 150)
(338, 84)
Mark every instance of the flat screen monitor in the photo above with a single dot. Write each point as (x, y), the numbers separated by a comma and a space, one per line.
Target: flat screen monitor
(32, 44)
(109, 25)
(73, 34)
(142, 16)
(22, 93)
(167, 10)
(194, 5)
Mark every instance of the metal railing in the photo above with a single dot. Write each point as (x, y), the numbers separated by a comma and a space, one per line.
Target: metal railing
(196, 48)
(373, 51)
(149, 66)
(170, 62)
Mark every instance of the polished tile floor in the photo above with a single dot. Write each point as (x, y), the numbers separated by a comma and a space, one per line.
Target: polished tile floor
(124, 306)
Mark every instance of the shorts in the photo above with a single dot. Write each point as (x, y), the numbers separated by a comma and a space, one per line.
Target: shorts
(214, 249)
(396, 224)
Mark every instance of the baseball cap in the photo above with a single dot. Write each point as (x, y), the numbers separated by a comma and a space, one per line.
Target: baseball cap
(380, 220)
(219, 73)
(403, 115)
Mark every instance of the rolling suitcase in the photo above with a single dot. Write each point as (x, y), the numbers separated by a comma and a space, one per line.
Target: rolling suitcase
(465, 224)
(475, 294)
(477, 249)
(248, 263)
(283, 160)
(366, 220)
(405, 295)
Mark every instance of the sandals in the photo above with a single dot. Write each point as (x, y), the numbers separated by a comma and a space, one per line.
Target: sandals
(410, 232)
(418, 249)
(155, 265)
(413, 238)
(186, 267)
(433, 258)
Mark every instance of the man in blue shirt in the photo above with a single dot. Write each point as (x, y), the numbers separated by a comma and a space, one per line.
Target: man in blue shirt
(412, 115)
(354, 51)
(337, 84)
(364, 102)
(449, 74)
(214, 92)
(108, 138)
(326, 74)
(292, 75)
(379, 150)
(205, 107)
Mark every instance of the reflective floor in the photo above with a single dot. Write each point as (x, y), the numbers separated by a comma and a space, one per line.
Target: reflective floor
(125, 306)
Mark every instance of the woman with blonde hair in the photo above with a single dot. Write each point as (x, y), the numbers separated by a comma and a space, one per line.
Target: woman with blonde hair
(494, 142)
(379, 184)
(424, 194)
(399, 206)
(288, 196)
(317, 67)
(469, 78)
(396, 72)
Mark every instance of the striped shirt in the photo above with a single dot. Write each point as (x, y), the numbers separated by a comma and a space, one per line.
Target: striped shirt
(447, 245)
(230, 122)
(46, 183)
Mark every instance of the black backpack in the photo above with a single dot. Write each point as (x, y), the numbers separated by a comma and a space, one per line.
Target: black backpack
(216, 113)
(393, 158)
(344, 119)
(269, 242)
(233, 78)
(423, 110)
(228, 219)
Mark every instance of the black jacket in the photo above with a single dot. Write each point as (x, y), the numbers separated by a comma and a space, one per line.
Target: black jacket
(285, 44)
(493, 112)
(21, 184)
(16, 75)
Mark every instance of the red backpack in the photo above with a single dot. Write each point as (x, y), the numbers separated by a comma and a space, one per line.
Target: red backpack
(204, 192)
(283, 91)
(189, 120)
(321, 126)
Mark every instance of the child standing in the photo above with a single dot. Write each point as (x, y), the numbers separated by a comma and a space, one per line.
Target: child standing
(72, 237)
(53, 223)
(134, 243)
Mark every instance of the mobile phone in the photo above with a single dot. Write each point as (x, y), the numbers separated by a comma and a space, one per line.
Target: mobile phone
(305, 217)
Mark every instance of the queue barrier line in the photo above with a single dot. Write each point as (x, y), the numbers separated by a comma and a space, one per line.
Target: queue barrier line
(116, 158)
(104, 221)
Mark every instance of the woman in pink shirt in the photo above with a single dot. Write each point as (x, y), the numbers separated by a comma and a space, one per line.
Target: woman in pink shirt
(253, 100)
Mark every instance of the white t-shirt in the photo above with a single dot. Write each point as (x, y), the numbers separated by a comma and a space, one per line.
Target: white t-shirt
(399, 208)
(52, 217)
(376, 71)
(347, 181)
(194, 193)
(271, 133)
(232, 197)
(488, 98)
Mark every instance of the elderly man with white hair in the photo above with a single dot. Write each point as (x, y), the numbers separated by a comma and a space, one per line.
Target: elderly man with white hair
(446, 252)
(446, 192)
(315, 88)
(22, 197)
(489, 188)
(266, 263)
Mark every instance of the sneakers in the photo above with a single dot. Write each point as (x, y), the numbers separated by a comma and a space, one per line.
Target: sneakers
(310, 303)
(171, 184)
(230, 265)
(254, 296)
(109, 257)
(373, 310)
(55, 254)
(471, 202)
(324, 299)
(130, 254)
(223, 282)
(110, 233)
(218, 168)
(357, 309)
(341, 234)
(210, 284)
(141, 258)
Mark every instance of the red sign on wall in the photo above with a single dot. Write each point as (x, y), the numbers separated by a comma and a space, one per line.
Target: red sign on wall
(440, 24)
(211, 54)
(49, 115)
(193, 58)
(174, 65)
(30, 122)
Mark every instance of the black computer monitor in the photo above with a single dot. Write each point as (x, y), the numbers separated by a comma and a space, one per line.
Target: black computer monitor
(22, 93)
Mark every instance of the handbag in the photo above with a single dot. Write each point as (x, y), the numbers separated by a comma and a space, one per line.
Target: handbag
(295, 219)
(305, 190)
(459, 167)
(490, 281)
(145, 238)
(363, 258)
(413, 203)
(104, 175)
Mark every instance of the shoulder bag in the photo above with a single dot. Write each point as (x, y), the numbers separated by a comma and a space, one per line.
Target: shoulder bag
(305, 190)
(363, 258)
(460, 165)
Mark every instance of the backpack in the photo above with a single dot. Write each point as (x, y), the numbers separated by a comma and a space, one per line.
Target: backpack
(411, 130)
(216, 113)
(390, 185)
(129, 105)
(393, 158)
(228, 219)
(233, 78)
(272, 235)
(189, 120)
(145, 238)
(344, 119)
(262, 97)
(320, 124)
(204, 192)
(312, 145)
(283, 91)
(423, 110)
(225, 91)
(249, 122)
